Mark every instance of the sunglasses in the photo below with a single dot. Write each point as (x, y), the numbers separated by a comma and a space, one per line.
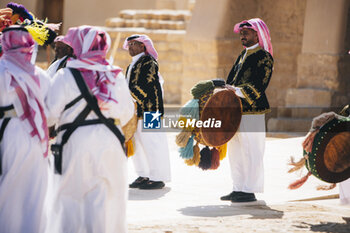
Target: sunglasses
(132, 43)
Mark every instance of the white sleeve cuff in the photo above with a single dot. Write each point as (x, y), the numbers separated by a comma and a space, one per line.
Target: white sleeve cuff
(239, 92)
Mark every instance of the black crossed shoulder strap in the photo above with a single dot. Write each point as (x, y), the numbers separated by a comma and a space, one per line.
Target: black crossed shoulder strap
(92, 103)
(3, 126)
(80, 120)
(4, 109)
(2, 130)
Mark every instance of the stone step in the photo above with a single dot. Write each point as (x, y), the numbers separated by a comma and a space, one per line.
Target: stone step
(170, 37)
(151, 19)
(168, 43)
(191, 4)
(173, 15)
(147, 24)
(289, 125)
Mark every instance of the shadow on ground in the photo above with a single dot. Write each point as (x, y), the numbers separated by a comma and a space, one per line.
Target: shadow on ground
(256, 211)
(141, 195)
(327, 227)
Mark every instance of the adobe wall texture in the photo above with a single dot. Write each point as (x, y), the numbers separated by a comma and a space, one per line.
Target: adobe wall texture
(169, 46)
(95, 12)
(211, 47)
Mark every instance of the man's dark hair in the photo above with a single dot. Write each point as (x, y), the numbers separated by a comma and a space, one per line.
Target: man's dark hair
(245, 24)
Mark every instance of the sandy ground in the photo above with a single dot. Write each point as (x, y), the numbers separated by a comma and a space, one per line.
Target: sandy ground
(190, 203)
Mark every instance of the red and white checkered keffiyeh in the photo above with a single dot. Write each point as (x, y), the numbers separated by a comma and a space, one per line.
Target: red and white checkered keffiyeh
(90, 46)
(260, 27)
(146, 41)
(150, 49)
(21, 76)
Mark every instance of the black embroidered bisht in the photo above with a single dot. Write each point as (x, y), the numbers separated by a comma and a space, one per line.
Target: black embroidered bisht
(252, 75)
(145, 87)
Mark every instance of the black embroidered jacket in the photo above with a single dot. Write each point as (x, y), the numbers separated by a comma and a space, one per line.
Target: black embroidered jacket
(252, 75)
(145, 87)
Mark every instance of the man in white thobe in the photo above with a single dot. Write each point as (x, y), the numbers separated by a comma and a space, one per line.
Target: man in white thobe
(250, 77)
(24, 135)
(92, 191)
(151, 157)
(62, 53)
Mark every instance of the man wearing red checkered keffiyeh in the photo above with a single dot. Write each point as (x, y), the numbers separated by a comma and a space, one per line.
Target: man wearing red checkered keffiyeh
(151, 159)
(249, 78)
(23, 135)
(92, 190)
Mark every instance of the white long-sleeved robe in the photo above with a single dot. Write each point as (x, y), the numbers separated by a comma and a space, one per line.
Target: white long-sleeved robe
(23, 182)
(91, 193)
(151, 157)
(344, 192)
(246, 154)
(52, 69)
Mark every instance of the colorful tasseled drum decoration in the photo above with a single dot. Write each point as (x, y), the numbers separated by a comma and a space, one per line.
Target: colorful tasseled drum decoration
(326, 151)
(210, 120)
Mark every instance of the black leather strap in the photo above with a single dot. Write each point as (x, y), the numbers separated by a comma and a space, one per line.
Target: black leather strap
(52, 131)
(57, 149)
(3, 126)
(58, 156)
(63, 63)
(92, 102)
(2, 130)
(84, 123)
(70, 104)
(4, 109)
